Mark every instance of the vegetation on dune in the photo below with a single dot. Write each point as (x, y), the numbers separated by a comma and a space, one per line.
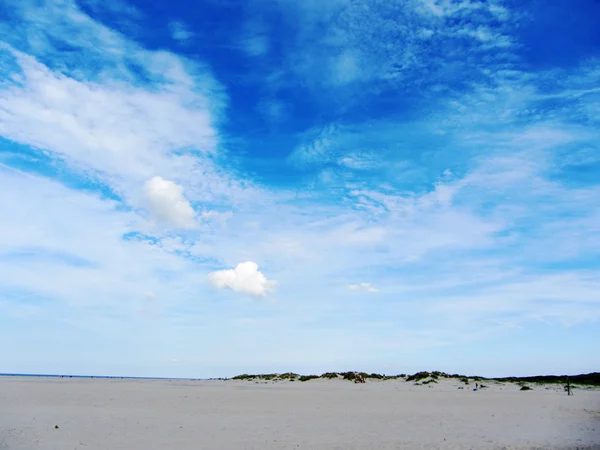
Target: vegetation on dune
(308, 377)
(267, 376)
(288, 376)
(330, 375)
(436, 375)
(590, 379)
(424, 377)
(352, 376)
(418, 376)
(243, 376)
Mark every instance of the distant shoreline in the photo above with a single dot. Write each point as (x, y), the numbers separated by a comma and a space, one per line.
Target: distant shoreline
(47, 375)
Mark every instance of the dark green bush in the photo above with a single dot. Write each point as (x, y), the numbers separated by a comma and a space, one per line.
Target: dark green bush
(329, 375)
(375, 376)
(288, 376)
(243, 376)
(308, 377)
(590, 379)
(418, 376)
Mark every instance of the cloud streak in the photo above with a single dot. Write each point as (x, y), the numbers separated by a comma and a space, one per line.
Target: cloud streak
(364, 287)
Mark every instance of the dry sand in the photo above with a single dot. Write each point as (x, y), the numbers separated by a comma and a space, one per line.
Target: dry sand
(318, 414)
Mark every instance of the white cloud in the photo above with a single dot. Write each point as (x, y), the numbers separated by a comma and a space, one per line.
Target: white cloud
(75, 242)
(360, 160)
(121, 130)
(364, 287)
(167, 204)
(345, 53)
(432, 7)
(220, 218)
(180, 31)
(318, 148)
(89, 110)
(245, 278)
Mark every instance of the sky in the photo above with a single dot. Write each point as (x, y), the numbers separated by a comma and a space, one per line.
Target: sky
(202, 189)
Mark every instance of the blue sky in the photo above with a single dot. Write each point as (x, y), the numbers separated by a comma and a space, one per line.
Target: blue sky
(200, 189)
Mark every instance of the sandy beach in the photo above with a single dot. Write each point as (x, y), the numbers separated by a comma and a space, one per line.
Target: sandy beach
(319, 414)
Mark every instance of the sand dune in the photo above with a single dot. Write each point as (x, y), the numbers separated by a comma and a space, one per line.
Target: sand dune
(318, 414)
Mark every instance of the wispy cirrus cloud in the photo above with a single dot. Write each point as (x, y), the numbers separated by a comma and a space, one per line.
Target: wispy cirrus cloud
(346, 51)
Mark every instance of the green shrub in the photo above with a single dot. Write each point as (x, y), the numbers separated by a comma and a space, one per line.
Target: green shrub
(375, 376)
(330, 375)
(525, 388)
(591, 379)
(288, 376)
(268, 376)
(308, 377)
(243, 376)
(418, 376)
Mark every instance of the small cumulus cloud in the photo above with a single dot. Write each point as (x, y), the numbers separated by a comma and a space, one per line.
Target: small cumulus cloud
(167, 204)
(363, 287)
(245, 279)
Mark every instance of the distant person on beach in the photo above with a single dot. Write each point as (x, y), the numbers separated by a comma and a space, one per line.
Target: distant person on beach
(476, 387)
